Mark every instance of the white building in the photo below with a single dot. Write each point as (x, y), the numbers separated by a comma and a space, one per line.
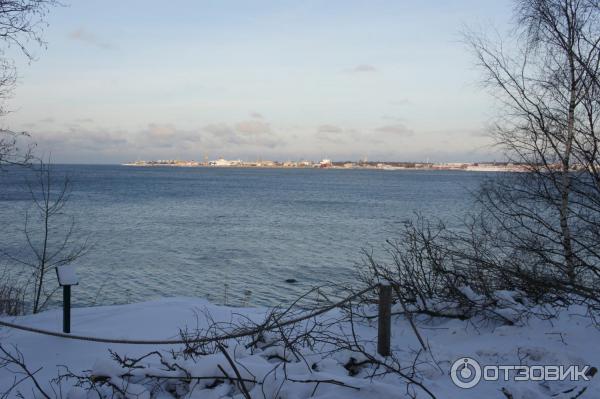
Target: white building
(224, 162)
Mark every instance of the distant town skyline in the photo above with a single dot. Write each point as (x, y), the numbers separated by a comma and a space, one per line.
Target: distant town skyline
(331, 164)
(121, 81)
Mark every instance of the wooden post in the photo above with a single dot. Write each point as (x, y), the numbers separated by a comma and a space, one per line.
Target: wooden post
(384, 330)
(66, 309)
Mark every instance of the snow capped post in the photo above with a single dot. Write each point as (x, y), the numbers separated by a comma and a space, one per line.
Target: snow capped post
(66, 278)
(384, 329)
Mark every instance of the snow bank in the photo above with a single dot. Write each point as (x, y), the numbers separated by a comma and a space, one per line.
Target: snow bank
(569, 339)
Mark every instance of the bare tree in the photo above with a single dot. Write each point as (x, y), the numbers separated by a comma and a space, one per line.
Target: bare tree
(535, 234)
(14, 147)
(49, 233)
(21, 25)
(547, 87)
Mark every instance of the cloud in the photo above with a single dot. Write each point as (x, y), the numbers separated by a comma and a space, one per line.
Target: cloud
(161, 132)
(157, 135)
(218, 130)
(95, 139)
(253, 127)
(396, 129)
(80, 139)
(364, 68)
(47, 120)
(247, 139)
(77, 143)
(89, 38)
(254, 133)
(337, 134)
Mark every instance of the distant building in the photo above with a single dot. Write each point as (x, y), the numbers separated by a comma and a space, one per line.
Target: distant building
(224, 162)
(450, 166)
(326, 163)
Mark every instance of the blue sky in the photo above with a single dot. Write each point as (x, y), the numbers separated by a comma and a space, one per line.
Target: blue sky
(126, 80)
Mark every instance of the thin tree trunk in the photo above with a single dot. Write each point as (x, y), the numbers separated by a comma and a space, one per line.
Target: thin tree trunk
(42, 265)
(566, 178)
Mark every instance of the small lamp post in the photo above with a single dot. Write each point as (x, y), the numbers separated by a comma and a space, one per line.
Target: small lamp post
(66, 278)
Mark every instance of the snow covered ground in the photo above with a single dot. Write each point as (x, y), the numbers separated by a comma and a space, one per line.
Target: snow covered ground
(569, 339)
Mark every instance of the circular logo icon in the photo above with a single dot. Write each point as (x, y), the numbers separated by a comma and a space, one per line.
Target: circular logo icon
(465, 372)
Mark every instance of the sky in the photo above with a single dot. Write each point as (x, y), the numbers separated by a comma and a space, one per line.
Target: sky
(285, 80)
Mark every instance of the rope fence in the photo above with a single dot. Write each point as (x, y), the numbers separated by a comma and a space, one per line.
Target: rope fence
(240, 334)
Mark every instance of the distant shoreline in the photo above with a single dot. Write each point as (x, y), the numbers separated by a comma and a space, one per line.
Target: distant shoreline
(392, 166)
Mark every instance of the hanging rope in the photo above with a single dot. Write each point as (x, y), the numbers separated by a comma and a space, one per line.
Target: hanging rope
(239, 334)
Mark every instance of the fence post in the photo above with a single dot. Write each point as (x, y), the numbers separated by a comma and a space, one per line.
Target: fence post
(67, 309)
(384, 330)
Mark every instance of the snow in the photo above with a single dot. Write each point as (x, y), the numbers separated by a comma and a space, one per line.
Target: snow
(568, 339)
(66, 275)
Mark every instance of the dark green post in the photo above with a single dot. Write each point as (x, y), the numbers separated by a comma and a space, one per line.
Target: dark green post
(66, 278)
(67, 309)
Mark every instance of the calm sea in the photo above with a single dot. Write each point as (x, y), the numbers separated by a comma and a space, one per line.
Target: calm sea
(230, 235)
